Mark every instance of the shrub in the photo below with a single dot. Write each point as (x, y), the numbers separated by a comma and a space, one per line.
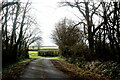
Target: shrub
(79, 53)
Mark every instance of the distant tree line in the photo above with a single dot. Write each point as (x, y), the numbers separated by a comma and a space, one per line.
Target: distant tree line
(17, 30)
(49, 53)
(95, 37)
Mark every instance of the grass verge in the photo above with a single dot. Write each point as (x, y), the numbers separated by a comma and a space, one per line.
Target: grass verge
(57, 58)
(15, 70)
(74, 72)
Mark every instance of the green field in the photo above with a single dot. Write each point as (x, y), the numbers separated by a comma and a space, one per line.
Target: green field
(54, 47)
(33, 54)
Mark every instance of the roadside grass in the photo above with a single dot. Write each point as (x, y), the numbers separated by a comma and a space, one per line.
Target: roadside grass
(15, 70)
(57, 58)
(73, 72)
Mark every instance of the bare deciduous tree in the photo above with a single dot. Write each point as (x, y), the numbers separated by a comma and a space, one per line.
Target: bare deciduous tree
(16, 25)
(67, 35)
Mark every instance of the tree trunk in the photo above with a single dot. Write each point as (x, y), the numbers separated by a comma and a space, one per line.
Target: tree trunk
(89, 23)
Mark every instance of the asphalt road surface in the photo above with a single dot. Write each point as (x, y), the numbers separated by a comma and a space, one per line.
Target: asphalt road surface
(42, 69)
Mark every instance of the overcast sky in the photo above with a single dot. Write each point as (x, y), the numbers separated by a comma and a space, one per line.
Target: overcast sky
(47, 13)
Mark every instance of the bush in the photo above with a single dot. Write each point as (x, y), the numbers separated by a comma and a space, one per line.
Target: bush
(79, 53)
(105, 52)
